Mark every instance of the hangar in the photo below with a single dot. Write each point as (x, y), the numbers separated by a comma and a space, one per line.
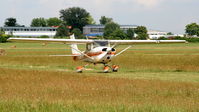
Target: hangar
(30, 31)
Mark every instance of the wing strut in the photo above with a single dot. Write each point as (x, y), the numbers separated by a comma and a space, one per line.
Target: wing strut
(123, 50)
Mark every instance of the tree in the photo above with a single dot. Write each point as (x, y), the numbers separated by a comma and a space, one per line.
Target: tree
(53, 21)
(38, 22)
(130, 33)
(104, 20)
(192, 29)
(10, 22)
(62, 31)
(76, 17)
(77, 32)
(140, 29)
(142, 36)
(119, 33)
(169, 33)
(110, 28)
(141, 32)
(91, 20)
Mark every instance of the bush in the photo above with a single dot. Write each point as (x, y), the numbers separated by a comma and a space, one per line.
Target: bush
(78, 33)
(44, 36)
(191, 39)
(162, 38)
(4, 38)
(119, 33)
(58, 37)
(113, 38)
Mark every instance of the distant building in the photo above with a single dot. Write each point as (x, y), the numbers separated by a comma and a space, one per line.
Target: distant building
(98, 30)
(88, 30)
(155, 34)
(30, 31)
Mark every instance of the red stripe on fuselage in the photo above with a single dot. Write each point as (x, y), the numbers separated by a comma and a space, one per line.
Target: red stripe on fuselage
(94, 54)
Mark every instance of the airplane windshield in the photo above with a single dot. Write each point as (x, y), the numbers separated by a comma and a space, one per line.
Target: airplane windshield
(100, 43)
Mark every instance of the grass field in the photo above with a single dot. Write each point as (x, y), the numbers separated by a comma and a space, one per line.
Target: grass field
(152, 78)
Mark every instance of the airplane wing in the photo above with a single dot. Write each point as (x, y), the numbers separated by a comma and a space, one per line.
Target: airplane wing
(84, 41)
(67, 41)
(145, 41)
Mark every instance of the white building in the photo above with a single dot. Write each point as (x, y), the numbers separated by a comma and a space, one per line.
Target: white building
(155, 34)
(30, 31)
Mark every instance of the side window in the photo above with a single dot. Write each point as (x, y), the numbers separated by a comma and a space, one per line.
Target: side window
(104, 49)
(88, 47)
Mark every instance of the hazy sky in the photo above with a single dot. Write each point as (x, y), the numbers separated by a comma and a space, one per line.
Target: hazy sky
(164, 15)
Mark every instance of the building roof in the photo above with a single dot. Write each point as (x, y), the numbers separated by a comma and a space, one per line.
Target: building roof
(102, 26)
(28, 27)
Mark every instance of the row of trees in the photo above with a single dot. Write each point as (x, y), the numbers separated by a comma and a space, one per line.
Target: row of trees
(42, 22)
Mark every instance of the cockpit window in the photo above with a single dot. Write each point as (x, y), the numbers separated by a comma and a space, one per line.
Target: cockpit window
(100, 43)
(104, 49)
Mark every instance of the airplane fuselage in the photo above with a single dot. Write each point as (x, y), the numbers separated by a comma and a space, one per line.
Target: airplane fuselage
(96, 55)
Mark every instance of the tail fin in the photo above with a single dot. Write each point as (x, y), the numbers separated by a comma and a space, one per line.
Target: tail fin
(74, 47)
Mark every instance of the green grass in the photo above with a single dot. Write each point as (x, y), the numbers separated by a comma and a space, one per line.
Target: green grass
(152, 77)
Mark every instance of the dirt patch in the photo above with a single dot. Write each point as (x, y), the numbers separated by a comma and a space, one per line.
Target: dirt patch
(2, 52)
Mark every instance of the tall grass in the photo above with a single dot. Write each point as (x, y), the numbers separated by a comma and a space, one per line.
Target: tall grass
(82, 90)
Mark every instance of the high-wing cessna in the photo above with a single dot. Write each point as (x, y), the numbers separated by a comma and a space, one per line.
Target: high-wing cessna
(97, 51)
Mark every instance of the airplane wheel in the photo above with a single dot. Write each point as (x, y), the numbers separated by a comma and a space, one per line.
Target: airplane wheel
(79, 69)
(106, 69)
(115, 68)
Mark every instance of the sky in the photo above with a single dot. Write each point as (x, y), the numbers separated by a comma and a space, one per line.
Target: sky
(163, 15)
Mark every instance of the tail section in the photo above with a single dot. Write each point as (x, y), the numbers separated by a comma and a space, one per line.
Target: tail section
(74, 47)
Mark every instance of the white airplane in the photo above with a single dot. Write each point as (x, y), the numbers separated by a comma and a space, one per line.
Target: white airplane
(97, 51)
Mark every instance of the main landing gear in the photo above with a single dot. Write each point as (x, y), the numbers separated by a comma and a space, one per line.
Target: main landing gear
(106, 68)
(114, 68)
(79, 69)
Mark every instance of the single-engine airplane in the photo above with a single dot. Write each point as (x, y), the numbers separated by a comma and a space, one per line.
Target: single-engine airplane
(97, 51)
